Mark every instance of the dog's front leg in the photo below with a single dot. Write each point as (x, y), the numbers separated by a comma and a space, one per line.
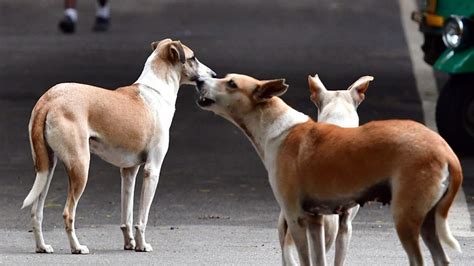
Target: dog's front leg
(316, 232)
(297, 228)
(287, 244)
(128, 186)
(344, 235)
(150, 182)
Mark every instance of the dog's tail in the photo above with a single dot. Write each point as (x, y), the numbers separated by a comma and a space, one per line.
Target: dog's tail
(442, 226)
(42, 154)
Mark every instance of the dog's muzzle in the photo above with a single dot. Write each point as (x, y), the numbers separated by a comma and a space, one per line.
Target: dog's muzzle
(199, 83)
(204, 101)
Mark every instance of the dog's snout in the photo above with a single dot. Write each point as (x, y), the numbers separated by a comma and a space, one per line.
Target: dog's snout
(199, 83)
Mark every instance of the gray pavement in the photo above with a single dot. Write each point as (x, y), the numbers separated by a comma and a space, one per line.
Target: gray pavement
(213, 189)
(206, 245)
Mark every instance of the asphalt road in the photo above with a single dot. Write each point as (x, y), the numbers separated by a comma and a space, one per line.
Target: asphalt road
(213, 204)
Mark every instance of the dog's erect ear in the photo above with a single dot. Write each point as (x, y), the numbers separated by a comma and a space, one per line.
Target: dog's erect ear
(269, 88)
(157, 43)
(359, 88)
(317, 89)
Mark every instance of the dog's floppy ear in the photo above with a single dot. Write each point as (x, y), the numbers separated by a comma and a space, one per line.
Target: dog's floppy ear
(157, 43)
(359, 88)
(317, 89)
(170, 50)
(269, 88)
(154, 45)
(176, 52)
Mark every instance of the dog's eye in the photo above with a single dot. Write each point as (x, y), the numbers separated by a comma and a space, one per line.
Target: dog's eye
(231, 84)
(193, 58)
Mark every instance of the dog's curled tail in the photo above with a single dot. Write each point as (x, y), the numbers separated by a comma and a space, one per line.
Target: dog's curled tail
(40, 151)
(442, 226)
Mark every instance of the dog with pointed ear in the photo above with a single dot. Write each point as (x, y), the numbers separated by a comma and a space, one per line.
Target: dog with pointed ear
(339, 108)
(315, 169)
(359, 88)
(356, 91)
(270, 88)
(317, 89)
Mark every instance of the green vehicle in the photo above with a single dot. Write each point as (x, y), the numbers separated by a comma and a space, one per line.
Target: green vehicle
(448, 28)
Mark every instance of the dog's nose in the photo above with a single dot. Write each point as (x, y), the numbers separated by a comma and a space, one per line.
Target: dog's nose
(199, 83)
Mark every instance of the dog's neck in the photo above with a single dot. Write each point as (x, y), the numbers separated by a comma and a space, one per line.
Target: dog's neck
(267, 124)
(160, 79)
(339, 115)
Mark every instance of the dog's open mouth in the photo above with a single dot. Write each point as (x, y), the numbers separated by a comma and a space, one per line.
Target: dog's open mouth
(204, 102)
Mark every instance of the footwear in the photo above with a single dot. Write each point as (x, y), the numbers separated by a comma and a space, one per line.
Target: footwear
(101, 24)
(67, 25)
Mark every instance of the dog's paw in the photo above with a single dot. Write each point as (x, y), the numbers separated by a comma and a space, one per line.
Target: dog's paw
(130, 246)
(45, 249)
(80, 250)
(145, 248)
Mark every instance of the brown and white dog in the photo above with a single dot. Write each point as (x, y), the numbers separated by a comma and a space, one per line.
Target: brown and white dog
(317, 168)
(338, 108)
(126, 127)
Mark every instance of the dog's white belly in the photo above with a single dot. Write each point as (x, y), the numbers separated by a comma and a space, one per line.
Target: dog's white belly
(116, 155)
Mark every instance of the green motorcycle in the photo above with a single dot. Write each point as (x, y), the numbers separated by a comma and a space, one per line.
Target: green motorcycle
(448, 28)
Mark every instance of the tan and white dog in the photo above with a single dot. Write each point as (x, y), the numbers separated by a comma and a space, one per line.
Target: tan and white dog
(338, 108)
(317, 168)
(126, 127)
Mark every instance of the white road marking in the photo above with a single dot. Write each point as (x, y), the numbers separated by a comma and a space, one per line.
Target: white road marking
(459, 217)
(425, 81)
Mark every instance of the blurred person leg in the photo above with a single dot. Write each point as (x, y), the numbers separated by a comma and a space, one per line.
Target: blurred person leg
(68, 23)
(102, 20)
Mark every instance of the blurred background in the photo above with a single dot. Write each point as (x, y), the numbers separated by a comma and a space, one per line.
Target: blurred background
(213, 203)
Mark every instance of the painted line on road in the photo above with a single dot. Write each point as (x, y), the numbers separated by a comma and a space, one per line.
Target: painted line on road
(460, 220)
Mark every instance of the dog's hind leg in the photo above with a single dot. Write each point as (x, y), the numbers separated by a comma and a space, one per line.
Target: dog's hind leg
(344, 235)
(410, 205)
(430, 237)
(45, 162)
(408, 230)
(128, 185)
(69, 140)
(37, 212)
(77, 168)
